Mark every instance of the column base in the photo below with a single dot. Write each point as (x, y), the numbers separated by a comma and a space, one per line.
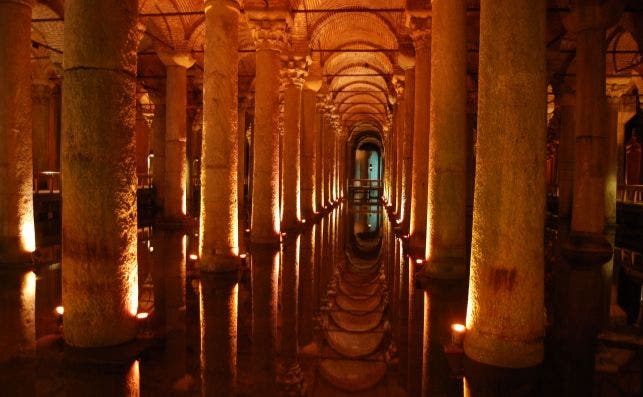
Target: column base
(176, 223)
(483, 379)
(586, 249)
(493, 350)
(220, 264)
(417, 246)
(440, 283)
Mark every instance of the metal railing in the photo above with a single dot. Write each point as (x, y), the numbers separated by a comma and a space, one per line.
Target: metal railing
(367, 183)
(366, 190)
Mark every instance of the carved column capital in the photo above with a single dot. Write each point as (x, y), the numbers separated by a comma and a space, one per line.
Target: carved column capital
(270, 34)
(420, 26)
(398, 85)
(294, 70)
(176, 58)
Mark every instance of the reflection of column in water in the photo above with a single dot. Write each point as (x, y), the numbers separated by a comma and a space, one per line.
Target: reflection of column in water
(17, 311)
(482, 380)
(219, 300)
(118, 380)
(290, 376)
(416, 322)
(48, 297)
(403, 313)
(444, 304)
(307, 262)
(265, 279)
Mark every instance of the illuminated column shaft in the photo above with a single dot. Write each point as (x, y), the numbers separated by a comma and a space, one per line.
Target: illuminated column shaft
(319, 154)
(293, 73)
(566, 155)
(17, 238)
(508, 225)
(400, 118)
(100, 276)
(270, 38)
(409, 99)
(327, 131)
(158, 147)
(241, 173)
(219, 196)
(446, 236)
(308, 153)
(176, 168)
(419, 180)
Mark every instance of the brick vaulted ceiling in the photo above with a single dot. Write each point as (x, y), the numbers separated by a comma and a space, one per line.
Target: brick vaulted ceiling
(354, 44)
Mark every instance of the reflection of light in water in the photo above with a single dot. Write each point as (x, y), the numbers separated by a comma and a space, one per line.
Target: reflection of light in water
(133, 380)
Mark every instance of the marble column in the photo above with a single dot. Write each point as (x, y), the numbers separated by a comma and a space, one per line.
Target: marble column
(176, 168)
(270, 39)
(400, 126)
(446, 208)
(293, 75)
(219, 196)
(308, 153)
(17, 234)
(509, 207)
(242, 166)
(566, 102)
(100, 272)
(419, 180)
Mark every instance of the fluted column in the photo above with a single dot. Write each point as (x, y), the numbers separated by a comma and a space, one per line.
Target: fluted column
(219, 196)
(419, 179)
(17, 235)
(100, 275)
(446, 236)
(176, 168)
(270, 38)
(293, 75)
(310, 135)
(508, 216)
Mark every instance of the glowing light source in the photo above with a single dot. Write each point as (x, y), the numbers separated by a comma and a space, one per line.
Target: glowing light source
(142, 315)
(194, 257)
(151, 248)
(243, 256)
(59, 310)
(419, 261)
(457, 333)
(247, 230)
(28, 236)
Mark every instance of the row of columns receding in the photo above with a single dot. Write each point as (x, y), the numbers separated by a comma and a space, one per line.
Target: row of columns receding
(426, 185)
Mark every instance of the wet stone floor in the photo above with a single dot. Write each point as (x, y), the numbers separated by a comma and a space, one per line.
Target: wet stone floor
(330, 314)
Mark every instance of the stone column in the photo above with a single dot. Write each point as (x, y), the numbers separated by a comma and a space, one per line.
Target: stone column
(409, 101)
(40, 109)
(566, 102)
(308, 144)
(319, 154)
(400, 126)
(270, 38)
(509, 206)
(419, 180)
(100, 275)
(219, 196)
(17, 235)
(176, 168)
(158, 149)
(293, 75)
(446, 236)
(242, 166)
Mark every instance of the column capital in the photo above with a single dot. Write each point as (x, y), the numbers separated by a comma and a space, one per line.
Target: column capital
(406, 61)
(219, 5)
(616, 89)
(294, 70)
(176, 58)
(420, 26)
(270, 34)
(398, 85)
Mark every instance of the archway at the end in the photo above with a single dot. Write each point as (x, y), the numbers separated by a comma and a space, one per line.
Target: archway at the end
(366, 168)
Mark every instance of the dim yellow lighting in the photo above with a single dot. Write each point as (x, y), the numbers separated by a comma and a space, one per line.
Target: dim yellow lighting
(283, 234)
(59, 310)
(419, 261)
(29, 286)
(194, 257)
(247, 230)
(303, 221)
(243, 256)
(142, 315)
(151, 249)
(457, 333)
